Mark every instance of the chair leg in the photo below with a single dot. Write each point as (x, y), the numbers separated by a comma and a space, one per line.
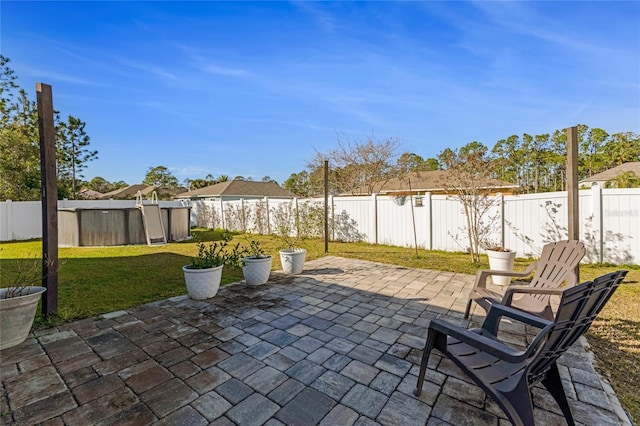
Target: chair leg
(468, 310)
(428, 347)
(553, 383)
(517, 404)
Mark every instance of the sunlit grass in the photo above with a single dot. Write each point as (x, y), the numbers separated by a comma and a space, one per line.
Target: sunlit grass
(96, 280)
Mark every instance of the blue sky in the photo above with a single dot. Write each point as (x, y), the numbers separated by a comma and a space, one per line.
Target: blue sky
(253, 89)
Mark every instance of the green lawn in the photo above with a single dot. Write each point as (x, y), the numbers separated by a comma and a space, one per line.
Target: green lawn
(93, 281)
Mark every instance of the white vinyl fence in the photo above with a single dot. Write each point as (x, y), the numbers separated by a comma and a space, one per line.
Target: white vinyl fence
(609, 220)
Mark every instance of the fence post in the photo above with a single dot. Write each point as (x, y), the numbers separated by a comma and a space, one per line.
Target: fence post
(222, 224)
(296, 219)
(374, 216)
(268, 213)
(427, 202)
(243, 219)
(332, 218)
(596, 218)
(500, 197)
(9, 221)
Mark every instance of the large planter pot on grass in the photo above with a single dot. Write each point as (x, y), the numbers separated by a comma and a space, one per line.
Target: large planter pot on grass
(256, 270)
(17, 314)
(501, 261)
(202, 283)
(292, 260)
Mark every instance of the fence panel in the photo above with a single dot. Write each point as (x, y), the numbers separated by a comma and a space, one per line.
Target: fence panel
(448, 221)
(353, 218)
(621, 226)
(608, 220)
(21, 220)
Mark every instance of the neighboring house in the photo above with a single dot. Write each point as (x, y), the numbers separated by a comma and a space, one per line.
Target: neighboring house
(610, 175)
(235, 190)
(88, 194)
(130, 192)
(433, 181)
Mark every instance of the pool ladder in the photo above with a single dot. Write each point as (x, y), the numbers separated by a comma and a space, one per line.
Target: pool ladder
(152, 219)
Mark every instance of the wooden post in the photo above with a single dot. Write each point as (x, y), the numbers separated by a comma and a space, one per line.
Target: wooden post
(326, 206)
(49, 198)
(573, 224)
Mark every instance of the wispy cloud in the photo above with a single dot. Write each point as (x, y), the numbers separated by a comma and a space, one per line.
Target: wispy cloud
(324, 19)
(218, 70)
(148, 68)
(42, 73)
(523, 18)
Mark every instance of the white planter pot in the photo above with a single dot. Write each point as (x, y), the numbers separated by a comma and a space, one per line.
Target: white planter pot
(202, 283)
(292, 260)
(17, 314)
(256, 271)
(501, 261)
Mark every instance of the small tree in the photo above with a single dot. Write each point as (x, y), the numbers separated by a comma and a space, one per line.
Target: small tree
(358, 166)
(284, 217)
(73, 151)
(466, 180)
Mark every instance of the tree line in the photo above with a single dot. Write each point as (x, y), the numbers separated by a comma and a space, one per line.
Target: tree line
(536, 163)
(20, 147)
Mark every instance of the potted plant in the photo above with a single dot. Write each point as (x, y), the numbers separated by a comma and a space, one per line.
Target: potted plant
(203, 274)
(500, 259)
(18, 303)
(292, 257)
(256, 264)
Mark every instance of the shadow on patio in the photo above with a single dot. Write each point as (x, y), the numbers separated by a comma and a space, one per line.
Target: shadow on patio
(338, 345)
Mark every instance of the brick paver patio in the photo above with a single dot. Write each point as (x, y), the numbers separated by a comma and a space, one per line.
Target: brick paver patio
(338, 345)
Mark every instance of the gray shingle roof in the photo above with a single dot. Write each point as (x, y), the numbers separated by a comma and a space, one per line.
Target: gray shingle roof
(614, 172)
(430, 181)
(238, 188)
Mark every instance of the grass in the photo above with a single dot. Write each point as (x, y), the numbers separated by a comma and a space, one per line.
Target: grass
(93, 281)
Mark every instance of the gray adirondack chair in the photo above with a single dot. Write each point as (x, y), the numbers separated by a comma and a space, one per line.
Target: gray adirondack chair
(557, 263)
(507, 374)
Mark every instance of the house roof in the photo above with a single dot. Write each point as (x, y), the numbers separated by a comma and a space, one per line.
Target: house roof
(430, 181)
(131, 191)
(238, 188)
(126, 192)
(613, 173)
(89, 194)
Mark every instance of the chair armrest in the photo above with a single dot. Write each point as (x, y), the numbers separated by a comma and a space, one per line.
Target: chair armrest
(508, 295)
(481, 276)
(497, 311)
(485, 344)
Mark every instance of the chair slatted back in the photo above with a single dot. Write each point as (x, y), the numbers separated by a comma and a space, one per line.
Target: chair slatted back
(578, 308)
(557, 262)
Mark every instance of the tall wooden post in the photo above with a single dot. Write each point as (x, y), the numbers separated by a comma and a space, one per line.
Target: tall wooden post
(326, 206)
(573, 224)
(49, 195)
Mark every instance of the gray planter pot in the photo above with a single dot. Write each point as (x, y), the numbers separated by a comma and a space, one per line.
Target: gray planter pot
(17, 314)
